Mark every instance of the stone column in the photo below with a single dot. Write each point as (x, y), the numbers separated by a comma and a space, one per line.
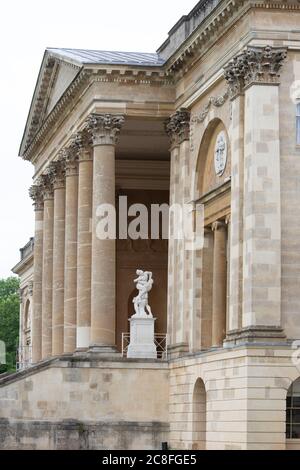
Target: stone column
(256, 72)
(104, 129)
(20, 353)
(204, 299)
(177, 128)
(36, 334)
(174, 151)
(70, 287)
(237, 205)
(47, 275)
(84, 249)
(58, 179)
(219, 284)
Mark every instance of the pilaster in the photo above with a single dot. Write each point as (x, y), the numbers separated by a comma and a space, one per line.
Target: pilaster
(178, 129)
(255, 73)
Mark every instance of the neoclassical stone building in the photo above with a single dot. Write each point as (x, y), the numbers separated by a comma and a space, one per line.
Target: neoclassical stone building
(211, 120)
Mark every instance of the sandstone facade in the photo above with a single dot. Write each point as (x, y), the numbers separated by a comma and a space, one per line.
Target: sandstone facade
(210, 120)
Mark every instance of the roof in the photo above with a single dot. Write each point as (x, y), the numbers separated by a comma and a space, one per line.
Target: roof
(84, 56)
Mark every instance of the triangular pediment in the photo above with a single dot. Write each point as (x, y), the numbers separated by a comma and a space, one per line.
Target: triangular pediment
(55, 77)
(65, 74)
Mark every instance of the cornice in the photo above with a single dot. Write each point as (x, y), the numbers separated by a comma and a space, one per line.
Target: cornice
(224, 17)
(23, 265)
(42, 94)
(190, 52)
(40, 101)
(275, 5)
(78, 84)
(133, 76)
(185, 57)
(85, 78)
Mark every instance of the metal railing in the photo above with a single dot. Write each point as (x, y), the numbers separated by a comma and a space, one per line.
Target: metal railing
(160, 341)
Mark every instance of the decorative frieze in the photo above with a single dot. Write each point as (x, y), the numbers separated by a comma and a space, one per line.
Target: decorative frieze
(199, 118)
(105, 128)
(254, 65)
(216, 101)
(178, 126)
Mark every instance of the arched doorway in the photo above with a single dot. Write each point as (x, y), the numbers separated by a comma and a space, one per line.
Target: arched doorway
(212, 190)
(199, 416)
(293, 412)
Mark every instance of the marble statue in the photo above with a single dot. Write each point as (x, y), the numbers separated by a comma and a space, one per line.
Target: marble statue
(144, 283)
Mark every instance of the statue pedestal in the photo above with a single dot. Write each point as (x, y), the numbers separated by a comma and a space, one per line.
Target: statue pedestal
(142, 344)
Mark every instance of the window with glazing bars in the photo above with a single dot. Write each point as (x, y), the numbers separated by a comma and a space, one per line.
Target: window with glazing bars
(293, 411)
(298, 124)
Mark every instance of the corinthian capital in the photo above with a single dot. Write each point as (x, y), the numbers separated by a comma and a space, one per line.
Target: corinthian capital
(105, 128)
(56, 173)
(178, 126)
(264, 64)
(255, 65)
(69, 157)
(36, 194)
(234, 74)
(45, 182)
(83, 142)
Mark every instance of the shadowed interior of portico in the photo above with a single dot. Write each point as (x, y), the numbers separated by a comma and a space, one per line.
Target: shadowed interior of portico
(143, 177)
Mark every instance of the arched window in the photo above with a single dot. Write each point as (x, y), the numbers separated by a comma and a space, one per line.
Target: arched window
(293, 411)
(298, 124)
(199, 416)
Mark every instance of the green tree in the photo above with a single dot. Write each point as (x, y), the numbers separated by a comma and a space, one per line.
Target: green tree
(9, 320)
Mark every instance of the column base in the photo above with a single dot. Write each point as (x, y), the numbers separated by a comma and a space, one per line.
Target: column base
(178, 350)
(255, 335)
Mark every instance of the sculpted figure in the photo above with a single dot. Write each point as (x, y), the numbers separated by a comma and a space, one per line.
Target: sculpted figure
(144, 283)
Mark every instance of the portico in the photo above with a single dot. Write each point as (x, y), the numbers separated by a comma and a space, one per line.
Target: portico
(80, 294)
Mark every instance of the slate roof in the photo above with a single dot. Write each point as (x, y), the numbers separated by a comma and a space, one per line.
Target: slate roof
(84, 56)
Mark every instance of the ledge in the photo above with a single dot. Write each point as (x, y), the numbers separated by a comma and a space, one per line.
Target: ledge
(84, 361)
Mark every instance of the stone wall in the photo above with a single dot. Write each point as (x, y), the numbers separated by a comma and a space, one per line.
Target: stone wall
(245, 390)
(77, 435)
(79, 403)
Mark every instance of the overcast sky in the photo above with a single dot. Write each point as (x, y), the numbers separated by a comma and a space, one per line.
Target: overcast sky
(27, 27)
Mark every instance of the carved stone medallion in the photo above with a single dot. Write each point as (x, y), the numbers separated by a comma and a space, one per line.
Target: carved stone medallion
(220, 153)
